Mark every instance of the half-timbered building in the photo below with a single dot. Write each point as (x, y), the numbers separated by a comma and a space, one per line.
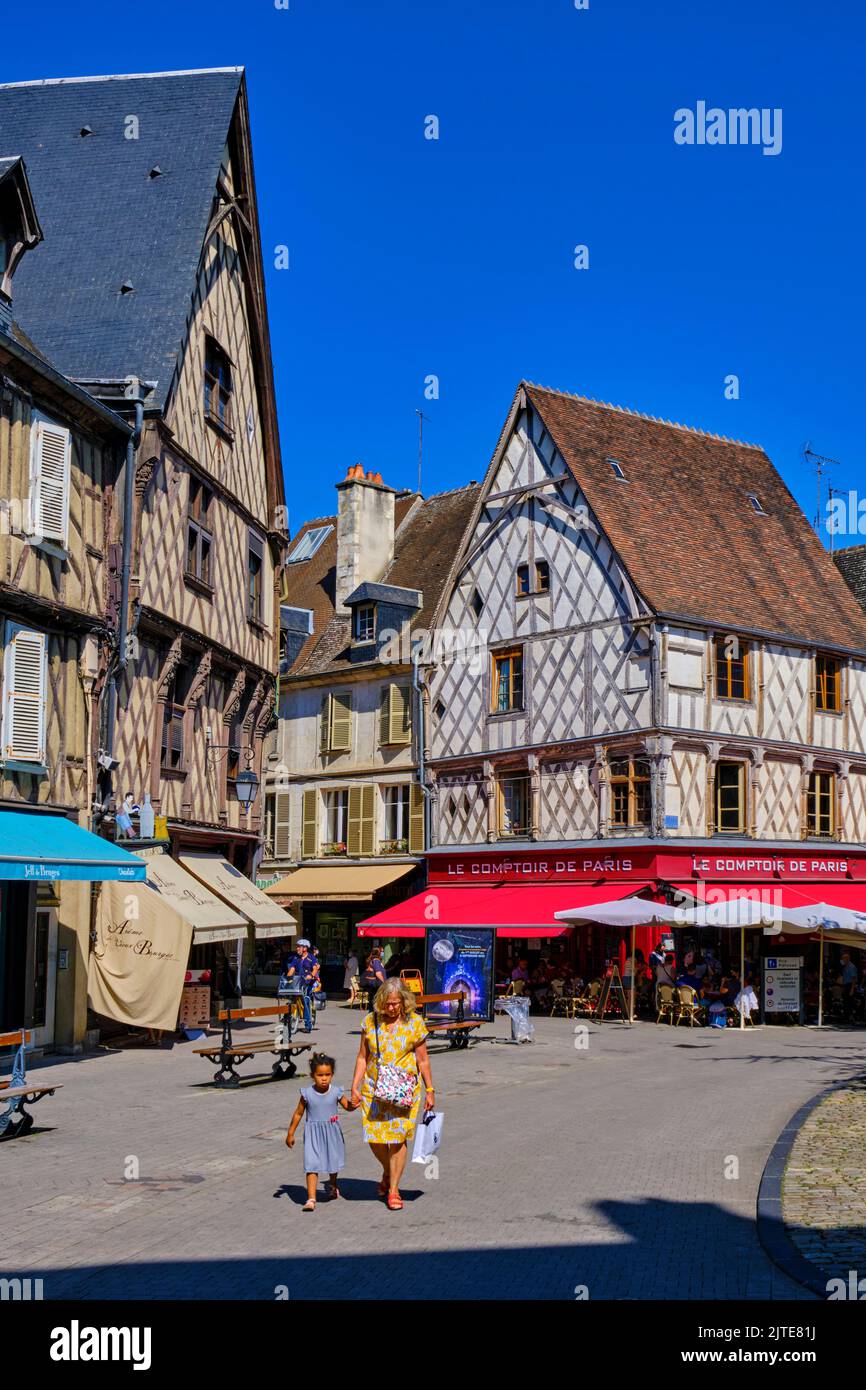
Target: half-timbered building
(674, 686)
(344, 806)
(149, 292)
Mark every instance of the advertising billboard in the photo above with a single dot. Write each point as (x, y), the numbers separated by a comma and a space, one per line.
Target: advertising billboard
(460, 959)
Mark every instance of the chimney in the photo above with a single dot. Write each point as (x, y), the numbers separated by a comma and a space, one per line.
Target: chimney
(365, 531)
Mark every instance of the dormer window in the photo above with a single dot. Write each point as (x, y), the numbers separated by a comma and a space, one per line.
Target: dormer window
(757, 504)
(617, 470)
(365, 622)
(217, 385)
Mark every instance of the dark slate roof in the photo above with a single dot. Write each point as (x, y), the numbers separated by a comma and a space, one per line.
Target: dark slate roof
(106, 221)
(8, 164)
(686, 531)
(429, 532)
(851, 564)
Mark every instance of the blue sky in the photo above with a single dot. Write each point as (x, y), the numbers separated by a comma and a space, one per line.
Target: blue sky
(454, 257)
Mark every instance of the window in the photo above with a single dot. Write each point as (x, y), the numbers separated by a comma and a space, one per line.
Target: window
(50, 465)
(361, 824)
(217, 385)
(630, 792)
(173, 717)
(308, 544)
(24, 694)
(732, 668)
(395, 715)
(730, 797)
(336, 822)
(542, 577)
(514, 801)
(199, 533)
(756, 503)
(828, 684)
(236, 734)
(507, 681)
(477, 603)
(821, 804)
(365, 622)
(336, 723)
(255, 575)
(522, 579)
(277, 843)
(396, 839)
(617, 470)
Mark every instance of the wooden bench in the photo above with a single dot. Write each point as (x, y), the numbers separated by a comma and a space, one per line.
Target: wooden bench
(227, 1052)
(16, 1120)
(458, 1030)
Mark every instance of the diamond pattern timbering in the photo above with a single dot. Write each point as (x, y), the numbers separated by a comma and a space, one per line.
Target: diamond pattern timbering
(689, 769)
(778, 800)
(614, 706)
(854, 808)
(568, 804)
(460, 815)
(787, 681)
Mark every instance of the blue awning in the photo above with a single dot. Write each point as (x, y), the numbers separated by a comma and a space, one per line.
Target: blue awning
(38, 847)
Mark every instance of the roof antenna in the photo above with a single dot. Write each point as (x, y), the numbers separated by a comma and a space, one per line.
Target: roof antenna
(421, 418)
(820, 463)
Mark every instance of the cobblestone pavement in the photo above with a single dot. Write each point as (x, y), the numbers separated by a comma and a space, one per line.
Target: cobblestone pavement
(561, 1168)
(824, 1187)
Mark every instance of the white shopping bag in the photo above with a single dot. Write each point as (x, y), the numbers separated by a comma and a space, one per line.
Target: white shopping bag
(428, 1136)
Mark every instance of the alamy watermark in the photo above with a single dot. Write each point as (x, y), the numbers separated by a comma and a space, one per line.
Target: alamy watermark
(740, 125)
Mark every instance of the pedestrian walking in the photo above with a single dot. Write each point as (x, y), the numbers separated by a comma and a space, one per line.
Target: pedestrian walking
(374, 972)
(391, 1058)
(324, 1146)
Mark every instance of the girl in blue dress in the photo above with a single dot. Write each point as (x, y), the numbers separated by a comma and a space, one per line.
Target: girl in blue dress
(324, 1148)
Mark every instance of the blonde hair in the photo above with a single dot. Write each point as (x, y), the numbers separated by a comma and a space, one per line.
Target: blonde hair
(393, 986)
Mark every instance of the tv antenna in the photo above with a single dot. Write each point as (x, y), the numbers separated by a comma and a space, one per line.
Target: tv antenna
(821, 464)
(421, 418)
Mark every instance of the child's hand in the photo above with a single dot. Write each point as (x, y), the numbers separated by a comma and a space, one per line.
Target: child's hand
(290, 1141)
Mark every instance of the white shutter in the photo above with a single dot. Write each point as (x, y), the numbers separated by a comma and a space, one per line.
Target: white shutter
(24, 682)
(51, 457)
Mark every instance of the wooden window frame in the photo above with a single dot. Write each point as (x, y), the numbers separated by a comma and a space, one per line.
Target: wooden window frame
(632, 781)
(216, 388)
(822, 787)
(822, 690)
(742, 788)
(542, 565)
(255, 594)
(528, 579)
(508, 778)
(329, 847)
(515, 706)
(198, 525)
(363, 612)
(725, 665)
(521, 581)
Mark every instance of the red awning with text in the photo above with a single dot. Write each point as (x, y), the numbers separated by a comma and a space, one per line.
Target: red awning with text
(780, 895)
(515, 910)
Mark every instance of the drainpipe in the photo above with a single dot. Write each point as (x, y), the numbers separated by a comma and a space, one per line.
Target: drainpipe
(421, 725)
(133, 393)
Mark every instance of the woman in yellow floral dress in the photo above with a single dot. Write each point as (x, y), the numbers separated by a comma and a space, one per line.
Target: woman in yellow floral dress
(402, 1040)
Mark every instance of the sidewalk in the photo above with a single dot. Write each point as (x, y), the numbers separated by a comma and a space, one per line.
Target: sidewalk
(824, 1187)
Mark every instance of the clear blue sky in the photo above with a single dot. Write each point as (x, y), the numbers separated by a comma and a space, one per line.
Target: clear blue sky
(455, 257)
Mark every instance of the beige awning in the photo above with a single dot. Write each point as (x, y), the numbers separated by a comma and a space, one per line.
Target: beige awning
(343, 882)
(240, 893)
(212, 918)
(138, 964)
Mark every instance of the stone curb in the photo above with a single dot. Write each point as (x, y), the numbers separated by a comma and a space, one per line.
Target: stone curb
(771, 1225)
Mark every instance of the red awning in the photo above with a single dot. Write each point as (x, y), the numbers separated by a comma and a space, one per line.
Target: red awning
(774, 894)
(515, 910)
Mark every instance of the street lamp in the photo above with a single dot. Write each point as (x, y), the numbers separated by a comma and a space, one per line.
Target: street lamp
(246, 788)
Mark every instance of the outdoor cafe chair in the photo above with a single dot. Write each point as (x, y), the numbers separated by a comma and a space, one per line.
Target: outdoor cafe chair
(359, 998)
(561, 1002)
(666, 1003)
(586, 1002)
(688, 1005)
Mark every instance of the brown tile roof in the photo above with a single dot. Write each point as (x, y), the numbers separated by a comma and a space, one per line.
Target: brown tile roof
(851, 564)
(687, 532)
(428, 535)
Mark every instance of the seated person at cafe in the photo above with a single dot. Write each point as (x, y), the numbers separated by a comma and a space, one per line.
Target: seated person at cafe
(521, 971)
(666, 971)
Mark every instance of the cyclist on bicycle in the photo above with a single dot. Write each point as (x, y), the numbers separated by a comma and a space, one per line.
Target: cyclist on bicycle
(303, 966)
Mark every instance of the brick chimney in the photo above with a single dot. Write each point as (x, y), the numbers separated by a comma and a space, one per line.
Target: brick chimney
(365, 531)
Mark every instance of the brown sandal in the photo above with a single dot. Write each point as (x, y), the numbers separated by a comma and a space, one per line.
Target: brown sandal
(395, 1201)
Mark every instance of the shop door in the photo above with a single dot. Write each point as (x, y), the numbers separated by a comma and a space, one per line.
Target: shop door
(44, 977)
(332, 938)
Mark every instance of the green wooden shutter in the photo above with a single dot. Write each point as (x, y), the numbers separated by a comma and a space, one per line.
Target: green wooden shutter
(368, 819)
(310, 828)
(416, 819)
(281, 825)
(325, 731)
(400, 723)
(341, 722)
(385, 715)
(353, 836)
